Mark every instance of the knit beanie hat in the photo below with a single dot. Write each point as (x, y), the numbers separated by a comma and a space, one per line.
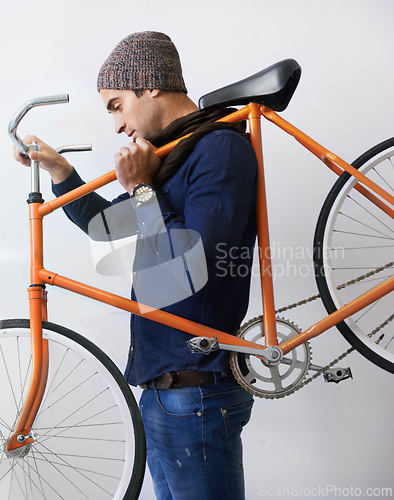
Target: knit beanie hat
(143, 61)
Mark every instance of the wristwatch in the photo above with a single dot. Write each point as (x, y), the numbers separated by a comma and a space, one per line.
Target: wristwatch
(143, 193)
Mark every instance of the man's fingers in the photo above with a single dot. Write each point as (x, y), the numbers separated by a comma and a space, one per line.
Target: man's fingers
(29, 139)
(34, 155)
(20, 157)
(126, 150)
(154, 148)
(25, 158)
(40, 156)
(143, 143)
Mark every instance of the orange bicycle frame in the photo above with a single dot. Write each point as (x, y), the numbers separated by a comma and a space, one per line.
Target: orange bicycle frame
(41, 277)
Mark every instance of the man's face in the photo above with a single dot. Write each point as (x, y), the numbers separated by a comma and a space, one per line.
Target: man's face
(135, 116)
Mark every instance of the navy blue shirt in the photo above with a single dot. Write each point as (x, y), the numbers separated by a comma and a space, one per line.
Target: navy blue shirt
(213, 195)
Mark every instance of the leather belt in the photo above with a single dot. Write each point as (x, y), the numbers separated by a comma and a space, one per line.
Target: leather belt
(182, 378)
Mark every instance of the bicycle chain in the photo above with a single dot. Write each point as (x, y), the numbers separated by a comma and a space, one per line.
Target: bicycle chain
(348, 351)
(339, 287)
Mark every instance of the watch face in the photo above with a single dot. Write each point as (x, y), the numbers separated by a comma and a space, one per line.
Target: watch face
(143, 193)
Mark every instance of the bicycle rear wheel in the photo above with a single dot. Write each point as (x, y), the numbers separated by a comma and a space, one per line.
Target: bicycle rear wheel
(354, 251)
(89, 438)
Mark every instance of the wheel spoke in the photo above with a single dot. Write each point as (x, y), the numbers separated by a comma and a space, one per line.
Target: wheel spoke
(38, 486)
(9, 378)
(65, 463)
(383, 179)
(370, 214)
(354, 233)
(386, 236)
(73, 426)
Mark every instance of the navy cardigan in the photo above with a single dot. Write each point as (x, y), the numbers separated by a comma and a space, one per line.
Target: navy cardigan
(212, 195)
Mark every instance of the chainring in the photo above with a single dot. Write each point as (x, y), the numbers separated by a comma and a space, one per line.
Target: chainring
(270, 382)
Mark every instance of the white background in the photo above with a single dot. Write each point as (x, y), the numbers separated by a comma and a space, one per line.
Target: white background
(326, 434)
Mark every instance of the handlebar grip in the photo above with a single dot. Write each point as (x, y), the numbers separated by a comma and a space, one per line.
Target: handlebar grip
(40, 101)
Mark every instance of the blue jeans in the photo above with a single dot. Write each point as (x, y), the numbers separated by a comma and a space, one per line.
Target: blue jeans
(193, 434)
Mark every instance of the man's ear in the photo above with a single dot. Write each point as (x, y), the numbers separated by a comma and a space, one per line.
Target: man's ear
(155, 92)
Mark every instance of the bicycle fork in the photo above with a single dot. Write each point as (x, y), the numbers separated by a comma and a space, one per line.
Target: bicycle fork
(37, 294)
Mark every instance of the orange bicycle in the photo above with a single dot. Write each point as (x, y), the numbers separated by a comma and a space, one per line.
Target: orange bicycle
(69, 424)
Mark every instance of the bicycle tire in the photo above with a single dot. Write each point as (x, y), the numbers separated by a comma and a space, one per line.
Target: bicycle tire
(348, 219)
(89, 436)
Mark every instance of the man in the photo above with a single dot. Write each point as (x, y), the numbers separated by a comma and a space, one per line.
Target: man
(193, 409)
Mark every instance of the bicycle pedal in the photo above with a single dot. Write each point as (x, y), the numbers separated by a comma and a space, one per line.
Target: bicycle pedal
(337, 375)
(204, 345)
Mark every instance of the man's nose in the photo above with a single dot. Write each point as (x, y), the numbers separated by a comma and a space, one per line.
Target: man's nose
(119, 126)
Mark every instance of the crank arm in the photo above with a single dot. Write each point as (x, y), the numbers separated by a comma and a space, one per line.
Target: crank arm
(206, 345)
(330, 375)
(286, 361)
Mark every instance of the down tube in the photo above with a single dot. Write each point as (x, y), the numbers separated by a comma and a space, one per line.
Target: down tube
(148, 312)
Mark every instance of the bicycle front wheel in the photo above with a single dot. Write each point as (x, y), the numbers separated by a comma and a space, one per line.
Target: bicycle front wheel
(89, 441)
(354, 251)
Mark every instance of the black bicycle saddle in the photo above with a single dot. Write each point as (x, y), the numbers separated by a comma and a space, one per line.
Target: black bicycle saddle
(272, 87)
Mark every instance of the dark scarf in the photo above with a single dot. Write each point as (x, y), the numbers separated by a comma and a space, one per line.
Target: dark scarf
(200, 122)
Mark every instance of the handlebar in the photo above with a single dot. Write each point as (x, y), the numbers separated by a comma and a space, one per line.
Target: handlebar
(26, 148)
(40, 101)
(71, 149)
